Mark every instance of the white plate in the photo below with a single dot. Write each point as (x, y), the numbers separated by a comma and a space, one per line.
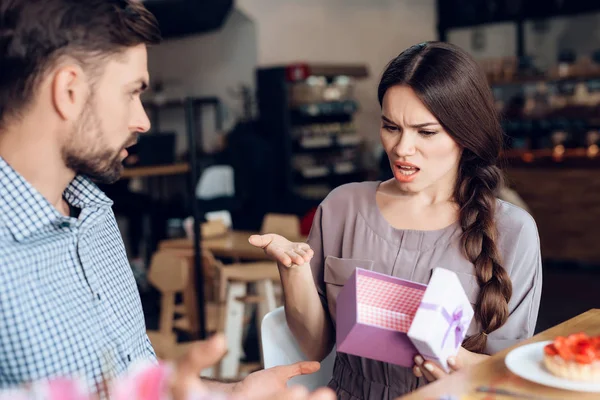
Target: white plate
(527, 362)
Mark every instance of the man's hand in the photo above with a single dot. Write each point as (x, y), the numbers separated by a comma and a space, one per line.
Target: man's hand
(201, 355)
(266, 383)
(269, 384)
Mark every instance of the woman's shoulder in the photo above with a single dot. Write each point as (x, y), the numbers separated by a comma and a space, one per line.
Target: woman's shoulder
(511, 218)
(350, 195)
(519, 247)
(517, 230)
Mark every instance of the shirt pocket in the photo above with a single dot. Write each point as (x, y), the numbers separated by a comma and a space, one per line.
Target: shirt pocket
(336, 274)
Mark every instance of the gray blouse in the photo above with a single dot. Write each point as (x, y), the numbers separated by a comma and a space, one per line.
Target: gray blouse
(349, 232)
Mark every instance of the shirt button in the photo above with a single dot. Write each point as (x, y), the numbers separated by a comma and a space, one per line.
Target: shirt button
(98, 296)
(129, 357)
(65, 224)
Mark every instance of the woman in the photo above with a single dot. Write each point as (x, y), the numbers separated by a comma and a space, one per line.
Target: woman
(443, 139)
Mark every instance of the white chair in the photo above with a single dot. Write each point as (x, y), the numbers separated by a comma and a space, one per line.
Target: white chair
(216, 181)
(280, 348)
(221, 215)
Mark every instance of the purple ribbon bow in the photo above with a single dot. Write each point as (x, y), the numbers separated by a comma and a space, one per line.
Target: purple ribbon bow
(456, 322)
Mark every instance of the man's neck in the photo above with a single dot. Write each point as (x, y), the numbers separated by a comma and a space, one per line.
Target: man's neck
(35, 154)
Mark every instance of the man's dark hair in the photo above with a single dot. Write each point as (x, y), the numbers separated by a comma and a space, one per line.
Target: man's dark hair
(34, 34)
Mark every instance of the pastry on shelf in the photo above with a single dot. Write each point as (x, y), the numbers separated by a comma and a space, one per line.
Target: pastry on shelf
(575, 357)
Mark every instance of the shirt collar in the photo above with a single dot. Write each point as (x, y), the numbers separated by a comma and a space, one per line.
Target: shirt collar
(26, 211)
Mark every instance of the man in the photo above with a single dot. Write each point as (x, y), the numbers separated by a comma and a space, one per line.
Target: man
(71, 75)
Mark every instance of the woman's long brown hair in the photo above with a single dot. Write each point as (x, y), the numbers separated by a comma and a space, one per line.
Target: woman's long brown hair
(455, 90)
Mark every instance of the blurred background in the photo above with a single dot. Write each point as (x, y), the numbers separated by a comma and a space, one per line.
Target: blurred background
(260, 108)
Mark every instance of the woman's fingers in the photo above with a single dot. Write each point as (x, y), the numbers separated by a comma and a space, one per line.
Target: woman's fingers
(303, 252)
(282, 250)
(417, 372)
(429, 370)
(454, 363)
(295, 257)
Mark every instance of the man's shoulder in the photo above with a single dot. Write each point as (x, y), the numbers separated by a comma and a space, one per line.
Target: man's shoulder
(14, 257)
(7, 242)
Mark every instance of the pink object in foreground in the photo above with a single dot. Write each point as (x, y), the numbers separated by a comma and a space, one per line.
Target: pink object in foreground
(142, 382)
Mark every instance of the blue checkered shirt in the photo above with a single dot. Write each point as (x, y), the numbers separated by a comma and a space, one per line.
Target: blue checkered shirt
(69, 305)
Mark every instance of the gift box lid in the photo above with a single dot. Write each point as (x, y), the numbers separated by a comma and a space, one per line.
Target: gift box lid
(445, 305)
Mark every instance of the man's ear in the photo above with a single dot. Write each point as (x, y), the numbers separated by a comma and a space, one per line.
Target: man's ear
(70, 90)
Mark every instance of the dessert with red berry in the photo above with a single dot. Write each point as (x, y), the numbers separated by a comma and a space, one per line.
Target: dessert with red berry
(575, 357)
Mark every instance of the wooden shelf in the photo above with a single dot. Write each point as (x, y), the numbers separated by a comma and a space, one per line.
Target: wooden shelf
(324, 109)
(156, 170)
(355, 71)
(299, 71)
(176, 103)
(556, 118)
(297, 119)
(544, 79)
(517, 153)
(327, 143)
(576, 158)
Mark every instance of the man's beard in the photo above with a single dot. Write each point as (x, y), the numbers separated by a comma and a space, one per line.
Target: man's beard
(93, 159)
(105, 167)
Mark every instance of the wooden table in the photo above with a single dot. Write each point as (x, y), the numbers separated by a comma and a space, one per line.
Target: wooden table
(494, 373)
(233, 244)
(155, 170)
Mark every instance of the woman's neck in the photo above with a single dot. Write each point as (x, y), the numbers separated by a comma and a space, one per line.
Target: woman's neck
(426, 210)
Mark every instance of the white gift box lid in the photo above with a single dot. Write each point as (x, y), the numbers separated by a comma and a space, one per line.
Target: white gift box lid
(443, 318)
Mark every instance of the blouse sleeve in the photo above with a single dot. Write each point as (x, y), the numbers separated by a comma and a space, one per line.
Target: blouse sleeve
(315, 241)
(525, 271)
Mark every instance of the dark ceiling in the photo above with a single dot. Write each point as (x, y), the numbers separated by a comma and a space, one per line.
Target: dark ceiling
(178, 18)
(464, 13)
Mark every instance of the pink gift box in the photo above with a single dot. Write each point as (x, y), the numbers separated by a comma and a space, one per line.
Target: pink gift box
(389, 319)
